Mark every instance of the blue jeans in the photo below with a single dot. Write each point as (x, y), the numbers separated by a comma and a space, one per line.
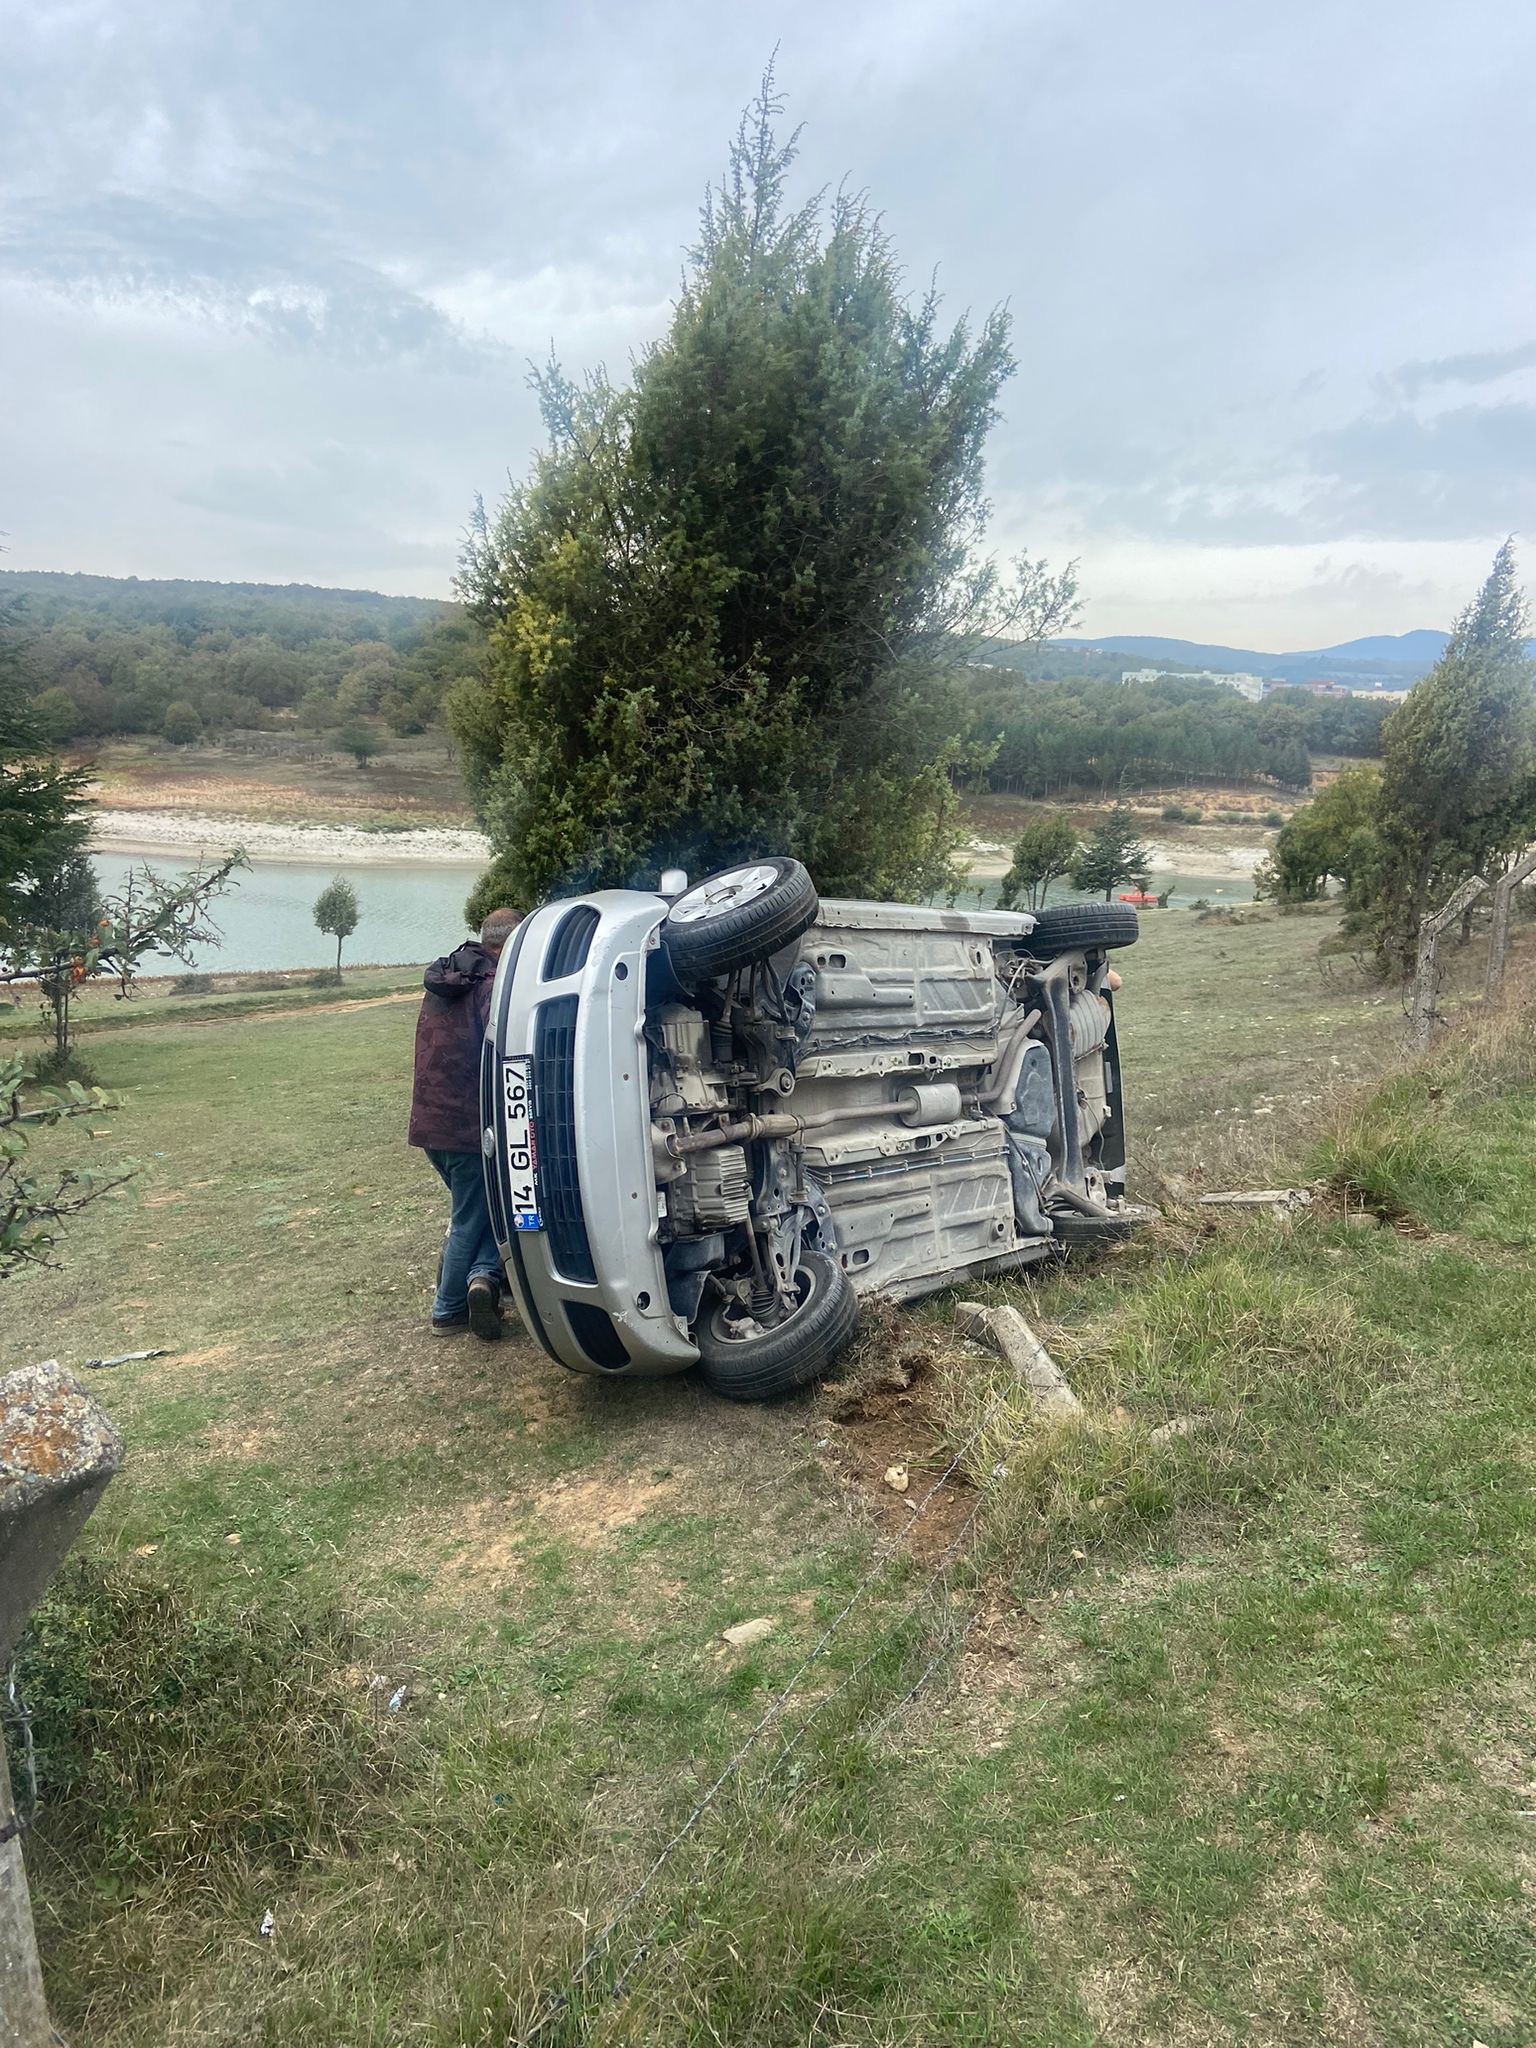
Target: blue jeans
(471, 1247)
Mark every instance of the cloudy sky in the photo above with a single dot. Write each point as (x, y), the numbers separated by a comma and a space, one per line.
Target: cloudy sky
(270, 272)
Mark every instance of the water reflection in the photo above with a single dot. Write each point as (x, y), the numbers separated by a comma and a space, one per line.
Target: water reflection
(410, 911)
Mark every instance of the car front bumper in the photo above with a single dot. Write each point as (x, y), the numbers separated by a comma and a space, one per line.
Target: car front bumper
(569, 998)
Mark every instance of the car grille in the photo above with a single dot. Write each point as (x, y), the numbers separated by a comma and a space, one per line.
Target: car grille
(570, 942)
(554, 1118)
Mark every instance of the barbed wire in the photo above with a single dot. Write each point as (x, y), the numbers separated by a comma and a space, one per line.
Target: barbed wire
(941, 1570)
(620, 1983)
(885, 1553)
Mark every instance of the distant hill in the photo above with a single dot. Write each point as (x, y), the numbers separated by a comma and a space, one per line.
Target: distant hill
(294, 612)
(1426, 646)
(1392, 660)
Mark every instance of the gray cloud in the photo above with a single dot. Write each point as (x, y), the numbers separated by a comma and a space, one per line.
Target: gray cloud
(268, 277)
(238, 269)
(1488, 367)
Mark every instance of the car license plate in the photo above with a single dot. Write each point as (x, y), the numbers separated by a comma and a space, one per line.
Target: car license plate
(517, 1107)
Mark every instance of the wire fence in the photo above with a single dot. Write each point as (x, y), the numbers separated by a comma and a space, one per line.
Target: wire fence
(18, 1822)
(886, 1553)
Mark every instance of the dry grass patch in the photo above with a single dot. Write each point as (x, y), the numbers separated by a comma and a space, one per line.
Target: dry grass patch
(1252, 1361)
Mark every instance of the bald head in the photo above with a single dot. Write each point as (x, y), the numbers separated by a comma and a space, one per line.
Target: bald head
(498, 928)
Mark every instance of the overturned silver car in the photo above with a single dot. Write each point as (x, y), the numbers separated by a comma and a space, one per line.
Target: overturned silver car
(714, 1117)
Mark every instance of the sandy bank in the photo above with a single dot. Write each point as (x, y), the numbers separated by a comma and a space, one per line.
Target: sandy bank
(191, 834)
(988, 860)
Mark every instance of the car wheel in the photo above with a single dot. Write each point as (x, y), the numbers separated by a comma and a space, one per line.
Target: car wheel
(745, 1362)
(737, 917)
(1083, 928)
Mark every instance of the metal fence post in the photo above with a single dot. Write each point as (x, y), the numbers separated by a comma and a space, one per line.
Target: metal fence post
(57, 1453)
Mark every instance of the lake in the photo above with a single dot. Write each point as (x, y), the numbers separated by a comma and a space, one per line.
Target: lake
(410, 911)
(415, 910)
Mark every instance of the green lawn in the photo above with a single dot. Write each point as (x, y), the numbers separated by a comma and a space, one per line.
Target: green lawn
(1232, 1743)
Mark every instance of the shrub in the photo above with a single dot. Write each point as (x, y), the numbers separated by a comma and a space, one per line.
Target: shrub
(182, 724)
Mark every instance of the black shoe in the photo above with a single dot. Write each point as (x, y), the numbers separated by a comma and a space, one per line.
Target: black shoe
(450, 1326)
(485, 1307)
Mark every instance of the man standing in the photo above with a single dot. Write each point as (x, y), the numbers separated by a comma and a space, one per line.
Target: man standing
(445, 1123)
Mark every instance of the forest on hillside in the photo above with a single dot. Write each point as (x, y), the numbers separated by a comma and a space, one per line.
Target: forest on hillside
(1063, 735)
(106, 655)
(187, 660)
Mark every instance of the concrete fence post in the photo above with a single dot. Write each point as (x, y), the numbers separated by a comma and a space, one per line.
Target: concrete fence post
(1426, 973)
(1503, 901)
(57, 1453)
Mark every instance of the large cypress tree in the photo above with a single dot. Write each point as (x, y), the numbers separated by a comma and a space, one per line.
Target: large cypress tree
(1458, 783)
(727, 609)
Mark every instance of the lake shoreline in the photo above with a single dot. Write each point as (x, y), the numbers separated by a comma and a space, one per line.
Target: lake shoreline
(148, 834)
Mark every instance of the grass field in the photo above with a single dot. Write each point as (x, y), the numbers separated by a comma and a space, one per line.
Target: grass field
(1232, 1739)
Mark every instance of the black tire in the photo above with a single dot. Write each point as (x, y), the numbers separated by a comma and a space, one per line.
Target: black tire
(732, 935)
(1076, 1233)
(792, 1353)
(1083, 928)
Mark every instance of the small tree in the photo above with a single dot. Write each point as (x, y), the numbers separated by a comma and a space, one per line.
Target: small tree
(182, 724)
(1458, 780)
(1046, 849)
(1332, 836)
(337, 913)
(359, 742)
(150, 916)
(1112, 854)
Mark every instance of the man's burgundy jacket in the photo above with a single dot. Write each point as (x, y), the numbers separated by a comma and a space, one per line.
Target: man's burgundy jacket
(445, 1088)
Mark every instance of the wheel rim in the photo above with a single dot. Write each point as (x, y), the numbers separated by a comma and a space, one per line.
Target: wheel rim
(722, 893)
(741, 1327)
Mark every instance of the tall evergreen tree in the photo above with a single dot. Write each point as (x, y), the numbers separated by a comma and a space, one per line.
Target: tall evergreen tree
(1458, 783)
(42, 822)
(1112, 853)
(727, 611)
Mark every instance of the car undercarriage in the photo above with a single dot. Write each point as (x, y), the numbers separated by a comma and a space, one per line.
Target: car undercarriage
(715, 1118)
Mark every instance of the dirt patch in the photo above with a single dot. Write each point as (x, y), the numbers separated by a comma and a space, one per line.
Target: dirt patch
(882, 1416)
(190, 1361)
(405, 995)
(494, 1536)
(241, 1446)
(587, 1507)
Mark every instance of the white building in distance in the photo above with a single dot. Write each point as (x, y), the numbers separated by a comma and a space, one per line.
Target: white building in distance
(1251, 687)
